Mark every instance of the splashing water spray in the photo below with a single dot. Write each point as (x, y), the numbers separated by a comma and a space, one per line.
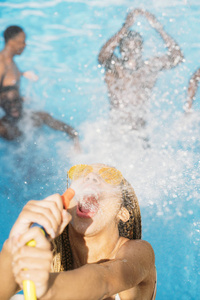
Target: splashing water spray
(28, 285)
(92, 195)
(91, 198)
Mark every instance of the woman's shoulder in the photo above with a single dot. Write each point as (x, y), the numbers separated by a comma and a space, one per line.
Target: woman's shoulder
(136, 247)
(134, 242)
(138, 253)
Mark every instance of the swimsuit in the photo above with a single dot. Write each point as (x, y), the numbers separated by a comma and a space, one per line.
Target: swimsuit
(7, 88)
(10, 98)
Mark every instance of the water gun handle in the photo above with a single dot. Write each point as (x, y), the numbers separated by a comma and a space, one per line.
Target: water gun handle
(28, 285)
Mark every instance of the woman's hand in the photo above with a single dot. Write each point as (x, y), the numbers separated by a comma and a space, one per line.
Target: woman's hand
(49, 213)
(32, 263)
(30, 75)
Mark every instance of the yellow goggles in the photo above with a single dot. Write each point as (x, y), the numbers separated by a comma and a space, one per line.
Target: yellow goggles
(109, 174)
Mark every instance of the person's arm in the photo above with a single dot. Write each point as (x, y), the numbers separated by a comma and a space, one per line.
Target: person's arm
(192, 89)
(108, 49)
(2, 69)
(8, 284)
(174, 55)
(59, 125)
(50, 214)
(32, 263)
(132, 266)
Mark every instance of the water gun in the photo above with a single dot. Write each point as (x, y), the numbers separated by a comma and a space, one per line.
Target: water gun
(28, 285)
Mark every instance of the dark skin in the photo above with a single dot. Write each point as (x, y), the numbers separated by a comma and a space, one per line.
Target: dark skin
(12, 102)
(9, 126)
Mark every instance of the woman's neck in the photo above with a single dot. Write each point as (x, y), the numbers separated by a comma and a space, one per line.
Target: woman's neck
(8, 53)
(91, 249)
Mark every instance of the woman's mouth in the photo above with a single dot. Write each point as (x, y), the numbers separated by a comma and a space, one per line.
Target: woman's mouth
(88, 206)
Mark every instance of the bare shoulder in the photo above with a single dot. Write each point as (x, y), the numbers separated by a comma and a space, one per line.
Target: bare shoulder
(139, 246)
(137, 252)
(138, 255)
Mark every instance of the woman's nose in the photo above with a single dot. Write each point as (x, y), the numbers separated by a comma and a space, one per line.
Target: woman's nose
(92, 177)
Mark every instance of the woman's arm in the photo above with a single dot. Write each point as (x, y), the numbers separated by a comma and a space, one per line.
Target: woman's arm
(108, 49)
(132, 266)
(32, 263)
(8, 284)
(174, 55)
(50, 214)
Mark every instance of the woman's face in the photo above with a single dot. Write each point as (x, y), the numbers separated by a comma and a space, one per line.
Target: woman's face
(19, 42)
(96, 203)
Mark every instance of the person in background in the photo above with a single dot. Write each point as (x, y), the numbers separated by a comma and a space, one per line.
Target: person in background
(192, 90)
(96, 250)
(129, 78)
(11, 100)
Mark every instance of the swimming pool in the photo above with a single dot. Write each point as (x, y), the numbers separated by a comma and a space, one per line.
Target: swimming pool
(64, 39)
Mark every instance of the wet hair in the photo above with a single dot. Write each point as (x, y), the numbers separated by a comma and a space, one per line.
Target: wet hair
(132, 229)
(131, 35)
(11, 32)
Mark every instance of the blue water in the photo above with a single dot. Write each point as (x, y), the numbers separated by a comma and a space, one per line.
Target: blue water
(63, 41)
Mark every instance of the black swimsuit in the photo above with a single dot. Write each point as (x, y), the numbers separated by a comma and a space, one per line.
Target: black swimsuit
(10, 101)
(7, 88)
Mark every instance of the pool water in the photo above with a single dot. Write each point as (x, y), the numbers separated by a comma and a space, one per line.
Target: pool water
(63, 42)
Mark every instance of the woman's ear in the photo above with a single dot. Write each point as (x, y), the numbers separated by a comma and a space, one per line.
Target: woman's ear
(123, 214)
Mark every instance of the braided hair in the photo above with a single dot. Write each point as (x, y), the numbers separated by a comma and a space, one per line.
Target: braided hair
(132, 229)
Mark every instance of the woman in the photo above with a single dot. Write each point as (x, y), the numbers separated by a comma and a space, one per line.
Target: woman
(11, 100)
(99, 255)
